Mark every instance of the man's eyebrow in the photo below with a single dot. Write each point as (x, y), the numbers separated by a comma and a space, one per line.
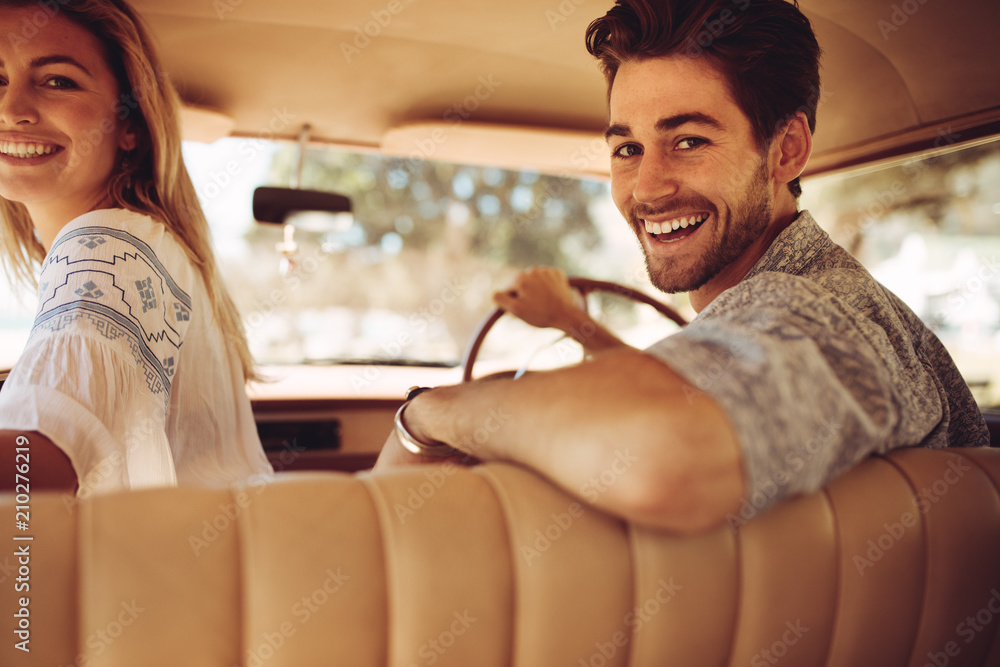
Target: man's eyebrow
(58, 60)
(617, 130)
(667, 124)
(695, 118)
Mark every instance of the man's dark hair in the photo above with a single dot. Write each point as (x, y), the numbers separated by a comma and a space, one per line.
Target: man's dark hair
(765, 48)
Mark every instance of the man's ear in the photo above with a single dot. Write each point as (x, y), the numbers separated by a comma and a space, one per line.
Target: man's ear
(793, 146)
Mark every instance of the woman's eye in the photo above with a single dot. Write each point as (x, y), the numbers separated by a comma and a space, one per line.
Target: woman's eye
(690, 142)
(60, 82)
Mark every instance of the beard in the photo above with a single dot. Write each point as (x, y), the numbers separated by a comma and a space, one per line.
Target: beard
(745, 222)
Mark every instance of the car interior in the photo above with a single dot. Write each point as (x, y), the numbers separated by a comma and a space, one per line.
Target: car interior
(373, 171)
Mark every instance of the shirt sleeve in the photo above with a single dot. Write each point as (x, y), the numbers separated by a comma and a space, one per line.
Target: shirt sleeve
(810, 387)
(95, 375)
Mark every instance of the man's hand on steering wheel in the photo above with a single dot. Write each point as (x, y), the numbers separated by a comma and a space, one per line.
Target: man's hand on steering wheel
(542, 297)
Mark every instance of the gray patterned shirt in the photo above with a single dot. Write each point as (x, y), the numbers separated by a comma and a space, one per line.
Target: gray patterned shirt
(818, 366)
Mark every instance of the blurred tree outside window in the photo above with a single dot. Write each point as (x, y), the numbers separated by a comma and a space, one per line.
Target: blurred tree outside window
(410, 275)
(928, 228)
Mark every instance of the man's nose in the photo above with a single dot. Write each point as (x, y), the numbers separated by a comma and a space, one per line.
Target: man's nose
(657, 178)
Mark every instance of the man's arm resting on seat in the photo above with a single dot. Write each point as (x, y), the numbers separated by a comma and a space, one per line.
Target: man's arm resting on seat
(49, 469)
(623, 431)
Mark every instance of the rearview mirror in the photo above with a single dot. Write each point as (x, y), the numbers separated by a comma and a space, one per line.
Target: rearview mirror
(275, 205)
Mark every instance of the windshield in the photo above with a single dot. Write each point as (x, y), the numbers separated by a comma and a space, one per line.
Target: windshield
(408, 277)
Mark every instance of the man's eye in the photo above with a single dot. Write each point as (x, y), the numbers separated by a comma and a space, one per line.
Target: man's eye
(688, 143)
(626, 150)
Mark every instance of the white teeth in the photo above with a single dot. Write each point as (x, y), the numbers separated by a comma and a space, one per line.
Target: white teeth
(673, 225)
(25, 150)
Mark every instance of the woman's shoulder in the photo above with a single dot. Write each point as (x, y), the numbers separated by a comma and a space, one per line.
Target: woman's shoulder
(122, 243)
(107, 232)
(128, 226)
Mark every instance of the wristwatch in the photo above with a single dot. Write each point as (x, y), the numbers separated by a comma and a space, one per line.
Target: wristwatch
(435, 448)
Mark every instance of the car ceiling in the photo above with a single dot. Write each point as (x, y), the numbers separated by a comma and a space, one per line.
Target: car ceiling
(897, 77)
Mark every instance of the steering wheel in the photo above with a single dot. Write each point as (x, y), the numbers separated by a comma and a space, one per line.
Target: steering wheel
(583, 285)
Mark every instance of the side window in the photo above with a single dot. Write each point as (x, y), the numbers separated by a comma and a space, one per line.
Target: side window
(928, 228)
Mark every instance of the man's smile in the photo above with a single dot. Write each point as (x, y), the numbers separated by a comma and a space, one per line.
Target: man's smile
(674, 229)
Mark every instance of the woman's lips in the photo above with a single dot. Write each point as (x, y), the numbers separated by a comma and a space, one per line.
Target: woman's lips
(26, 149)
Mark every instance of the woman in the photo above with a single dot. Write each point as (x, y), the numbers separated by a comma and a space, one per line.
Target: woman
(135, 371)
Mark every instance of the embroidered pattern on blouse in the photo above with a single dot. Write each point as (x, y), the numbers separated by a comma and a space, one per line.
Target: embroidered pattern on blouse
(111, 283)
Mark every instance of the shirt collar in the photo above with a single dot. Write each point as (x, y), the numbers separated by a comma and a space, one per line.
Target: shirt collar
(794, 248)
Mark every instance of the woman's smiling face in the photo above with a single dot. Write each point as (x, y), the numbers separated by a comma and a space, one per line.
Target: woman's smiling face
(60, 131)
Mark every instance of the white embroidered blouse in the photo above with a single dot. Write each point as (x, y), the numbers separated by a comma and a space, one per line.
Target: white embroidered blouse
(126, 369)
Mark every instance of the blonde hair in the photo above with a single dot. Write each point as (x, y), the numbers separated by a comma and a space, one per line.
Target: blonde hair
(150, 179)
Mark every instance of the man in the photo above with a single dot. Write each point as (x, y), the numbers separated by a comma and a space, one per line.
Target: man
(798, 365)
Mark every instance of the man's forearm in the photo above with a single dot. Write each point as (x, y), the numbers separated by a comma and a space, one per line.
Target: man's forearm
(622, 431)
(590, 333)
